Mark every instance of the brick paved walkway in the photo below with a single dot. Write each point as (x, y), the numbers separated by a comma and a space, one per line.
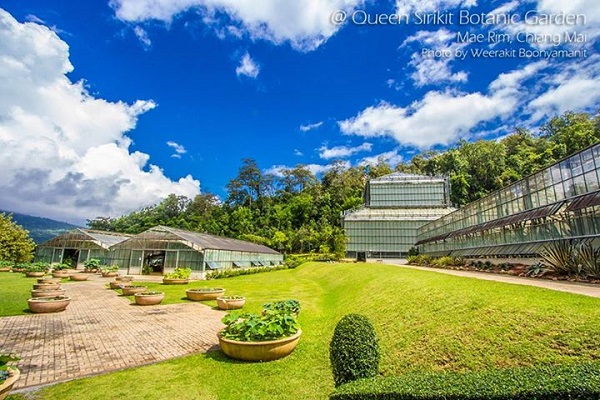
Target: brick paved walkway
(101, 331)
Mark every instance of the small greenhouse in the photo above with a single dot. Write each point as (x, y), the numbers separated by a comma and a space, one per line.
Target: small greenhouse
(79, 245)
(161, 249)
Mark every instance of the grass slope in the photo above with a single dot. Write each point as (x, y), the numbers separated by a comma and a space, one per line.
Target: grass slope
(425, 322)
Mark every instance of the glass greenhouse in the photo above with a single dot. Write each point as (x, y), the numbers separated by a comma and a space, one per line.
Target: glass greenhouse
(396, 205)
(558, 202)
(78, 246)
(161, 249)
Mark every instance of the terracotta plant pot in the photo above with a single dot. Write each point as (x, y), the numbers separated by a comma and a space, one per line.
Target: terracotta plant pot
(259, 351)
(117, 284)
(48, 292)
(79, 277)
(47, 286)
(48, 304)
(48, 280)
(60, 274)
(8, 384)
(175, 281)
(109, 274)
(5, 269)
(225, 303)
(126, 278)
(130, 290)
(202, 295)
(149, 298)
(35, 274)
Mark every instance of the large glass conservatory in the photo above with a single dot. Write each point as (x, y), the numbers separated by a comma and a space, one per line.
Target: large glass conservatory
(161, 249)
(79, 245)
(396, 205)
(558, 202)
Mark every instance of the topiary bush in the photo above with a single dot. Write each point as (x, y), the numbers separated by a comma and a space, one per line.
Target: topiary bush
(353, 351)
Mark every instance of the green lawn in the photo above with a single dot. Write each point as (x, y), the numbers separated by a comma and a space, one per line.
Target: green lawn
(425, 321)
(15, 289)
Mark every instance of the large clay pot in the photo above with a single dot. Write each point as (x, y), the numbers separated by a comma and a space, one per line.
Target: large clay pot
(48, 292)
(48, 280)
(124, 279)
(259, 351)
(8, 384)
(79, 277)
(117, 284)
(200, 294)
(175, 281)
(34, 274)
(109, 274)
(149, 298)
(225, 303)
(46, 286)
(60, 274)
(48, 304)
(130, 290)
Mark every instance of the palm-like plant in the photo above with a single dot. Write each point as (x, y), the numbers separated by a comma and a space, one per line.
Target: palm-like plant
(560, 257)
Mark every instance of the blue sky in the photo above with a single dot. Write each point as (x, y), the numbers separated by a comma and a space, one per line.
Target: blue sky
(109, 106)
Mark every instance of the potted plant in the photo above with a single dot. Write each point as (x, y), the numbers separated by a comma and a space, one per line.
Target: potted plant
(46, 286)
(5, 266)
(179, 276)
(48, 280)
(78, 277)
(91, 265)
(202, 294)
(109, 270)
(8, 375)
(231, 302)
(117, 284)
(60, 270)
(259, 337)
(129, 290)
(20, 267)
(47, 292)
(48, 304)
(36, 270)
(124, 279)
(148, 298)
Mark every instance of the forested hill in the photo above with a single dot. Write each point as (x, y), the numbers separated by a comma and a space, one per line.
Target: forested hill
(40, 229)
(299, 212)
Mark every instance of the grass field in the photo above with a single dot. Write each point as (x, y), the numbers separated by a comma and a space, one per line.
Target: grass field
(425, 321)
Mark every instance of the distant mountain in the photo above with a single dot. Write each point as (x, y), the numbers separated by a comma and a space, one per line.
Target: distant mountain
(40, 229)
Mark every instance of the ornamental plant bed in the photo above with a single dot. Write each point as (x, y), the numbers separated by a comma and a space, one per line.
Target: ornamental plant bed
(254, 337)
(129, 290)
(47, 292)
(203, 294)
(231, 302)
(48, 304)
(149, 298)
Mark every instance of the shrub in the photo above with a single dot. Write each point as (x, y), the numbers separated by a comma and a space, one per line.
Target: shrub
(109, 268)
(442, 262)
(353, 351)
(37, 267)
(421, 259)
(179, 273)
(560, 258)
(230, 272)
(91, 264)
(578, 381)
(60, 267)
(589, 258)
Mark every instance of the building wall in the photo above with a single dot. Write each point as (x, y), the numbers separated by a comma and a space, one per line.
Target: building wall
(415, 193)
(381, 238)
(559, 202)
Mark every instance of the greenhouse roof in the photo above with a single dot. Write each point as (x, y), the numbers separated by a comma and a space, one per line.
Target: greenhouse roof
(101, 238)
(196, 240)
(397, 214)
(397, 177)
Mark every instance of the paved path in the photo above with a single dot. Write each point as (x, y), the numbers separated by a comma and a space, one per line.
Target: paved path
(101, 331)
(586, 289)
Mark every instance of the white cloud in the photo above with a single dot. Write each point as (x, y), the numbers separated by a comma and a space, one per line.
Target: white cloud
(305, 24)
(64, 153)
(142, 36)
(405, 7)
(342, 151)
(298, 152)
(430, 68)
(316, 169)
(310, 127)
(390, 157)
(179, 149)
(247, 67)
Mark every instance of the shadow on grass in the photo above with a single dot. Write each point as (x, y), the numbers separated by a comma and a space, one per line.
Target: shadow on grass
(215, 353)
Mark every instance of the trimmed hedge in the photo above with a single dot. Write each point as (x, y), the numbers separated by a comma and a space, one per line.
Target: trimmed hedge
(353, 350)
(561, 382)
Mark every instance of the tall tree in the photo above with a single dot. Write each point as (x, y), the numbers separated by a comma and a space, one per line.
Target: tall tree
(15, 243)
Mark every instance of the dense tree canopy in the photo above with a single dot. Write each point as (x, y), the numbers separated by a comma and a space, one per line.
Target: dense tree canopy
(15, 243)
(298, 212)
